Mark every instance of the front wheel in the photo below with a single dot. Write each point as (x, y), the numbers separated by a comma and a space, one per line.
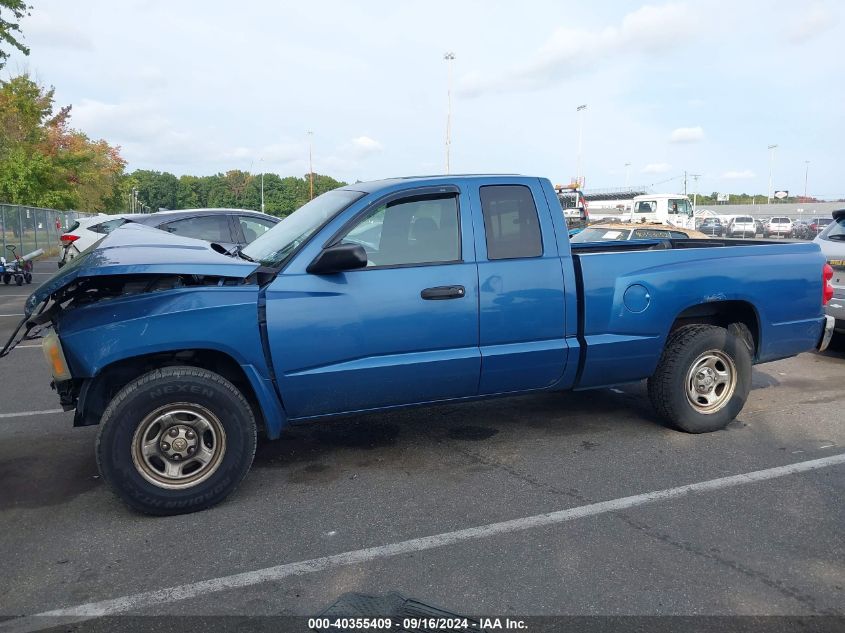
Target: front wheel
(703, 378)
(176, 440)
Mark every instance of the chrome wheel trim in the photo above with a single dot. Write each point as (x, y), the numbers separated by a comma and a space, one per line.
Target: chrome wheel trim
(178, 446)
(711, 381)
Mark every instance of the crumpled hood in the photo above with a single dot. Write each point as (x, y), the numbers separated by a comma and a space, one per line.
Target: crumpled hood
(135, 249)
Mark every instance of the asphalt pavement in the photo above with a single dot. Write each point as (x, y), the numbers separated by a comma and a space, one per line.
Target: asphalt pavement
(405, 502)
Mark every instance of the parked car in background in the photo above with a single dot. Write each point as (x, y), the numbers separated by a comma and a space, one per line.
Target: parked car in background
(712, 226)
(84, 232)
(801, 230)
(761, 225)
(832, 242)
(622, 231)
(742, 226)
(227, 227)
(817, 225)
(779, 226)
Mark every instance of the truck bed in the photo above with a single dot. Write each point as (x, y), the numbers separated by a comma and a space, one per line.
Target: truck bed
(631, 293)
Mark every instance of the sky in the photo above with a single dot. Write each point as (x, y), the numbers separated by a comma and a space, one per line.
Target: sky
(204, 86)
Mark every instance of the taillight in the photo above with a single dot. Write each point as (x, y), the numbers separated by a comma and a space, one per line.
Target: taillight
(827, 288)
(68, 238)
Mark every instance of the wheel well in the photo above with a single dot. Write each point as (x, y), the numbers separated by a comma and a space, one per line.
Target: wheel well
(724, 314)
(96, 393)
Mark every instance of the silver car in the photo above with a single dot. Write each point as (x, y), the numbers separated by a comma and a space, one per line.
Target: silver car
(832, 243)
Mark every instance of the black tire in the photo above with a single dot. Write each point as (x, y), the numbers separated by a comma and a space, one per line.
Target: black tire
(155, 391)
(27, 277)
(7, 279)
(19, 280)
(668, 386)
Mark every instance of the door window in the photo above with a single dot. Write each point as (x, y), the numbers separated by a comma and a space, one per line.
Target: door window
(645, 206)
(253, 227)
(212, 228)
(511, 223)
(417, 230)
(680, 206)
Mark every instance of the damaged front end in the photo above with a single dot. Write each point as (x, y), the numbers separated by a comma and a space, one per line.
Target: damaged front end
(134, 260)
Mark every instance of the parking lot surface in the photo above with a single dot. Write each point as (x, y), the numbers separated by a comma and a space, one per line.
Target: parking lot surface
(411, 480)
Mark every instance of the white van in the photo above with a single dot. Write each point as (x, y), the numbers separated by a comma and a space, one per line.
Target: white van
(665, 208)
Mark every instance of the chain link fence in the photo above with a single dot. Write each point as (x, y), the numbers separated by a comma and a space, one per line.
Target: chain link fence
(31, 228)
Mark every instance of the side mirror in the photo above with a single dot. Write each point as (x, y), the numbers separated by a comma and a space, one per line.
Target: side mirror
(337, 258)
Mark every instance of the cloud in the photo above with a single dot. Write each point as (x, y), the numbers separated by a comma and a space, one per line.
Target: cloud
(365, 146)
(569, 52)
(45, 31)
(687, 135)
(745, 174)
(656, 168)
(814, 21)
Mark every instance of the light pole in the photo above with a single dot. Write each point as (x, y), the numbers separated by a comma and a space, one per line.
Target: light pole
(627, 171)
(772, 149)
(310, 164)
(580, 110)
(806, 173)
(695, 177)
(449, 57)
(260, 161)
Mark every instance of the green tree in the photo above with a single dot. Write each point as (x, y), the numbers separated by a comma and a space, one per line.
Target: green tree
(158, 190)
(11, 11)
(43, 161)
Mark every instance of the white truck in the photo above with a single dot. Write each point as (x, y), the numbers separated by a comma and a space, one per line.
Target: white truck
(666, 208)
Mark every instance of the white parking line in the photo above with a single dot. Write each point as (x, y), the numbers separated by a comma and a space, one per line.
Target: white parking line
(23, 414)
(11, 315)
(27, 346)
(271, 574)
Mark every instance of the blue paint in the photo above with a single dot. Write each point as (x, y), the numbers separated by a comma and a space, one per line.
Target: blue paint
(366, 340)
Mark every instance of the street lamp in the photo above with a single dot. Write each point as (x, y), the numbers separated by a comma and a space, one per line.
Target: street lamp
(449, 57)
(806, 173)
(580, 110)
(627, 171)
(260, 161)
(310, 164)
(772, 149)
(695, 177)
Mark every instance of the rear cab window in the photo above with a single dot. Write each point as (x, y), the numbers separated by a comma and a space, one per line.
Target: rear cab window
(511, 223)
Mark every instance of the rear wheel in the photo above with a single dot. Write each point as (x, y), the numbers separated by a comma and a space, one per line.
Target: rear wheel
(7, 279)
(176, 440)
(703, 378)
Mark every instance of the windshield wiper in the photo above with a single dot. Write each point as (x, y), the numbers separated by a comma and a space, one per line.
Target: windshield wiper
(240, 254)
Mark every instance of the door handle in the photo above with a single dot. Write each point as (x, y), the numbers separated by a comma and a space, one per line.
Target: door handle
(439, 293)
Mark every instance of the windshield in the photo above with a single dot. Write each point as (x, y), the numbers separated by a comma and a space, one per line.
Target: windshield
(595, 234)
(276, 245)
(835, 230)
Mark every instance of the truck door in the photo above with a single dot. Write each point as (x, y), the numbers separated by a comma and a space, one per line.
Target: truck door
(521, 299)
(402, 330)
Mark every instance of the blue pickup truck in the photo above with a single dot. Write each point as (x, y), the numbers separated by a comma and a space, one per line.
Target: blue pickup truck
(393, 293)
